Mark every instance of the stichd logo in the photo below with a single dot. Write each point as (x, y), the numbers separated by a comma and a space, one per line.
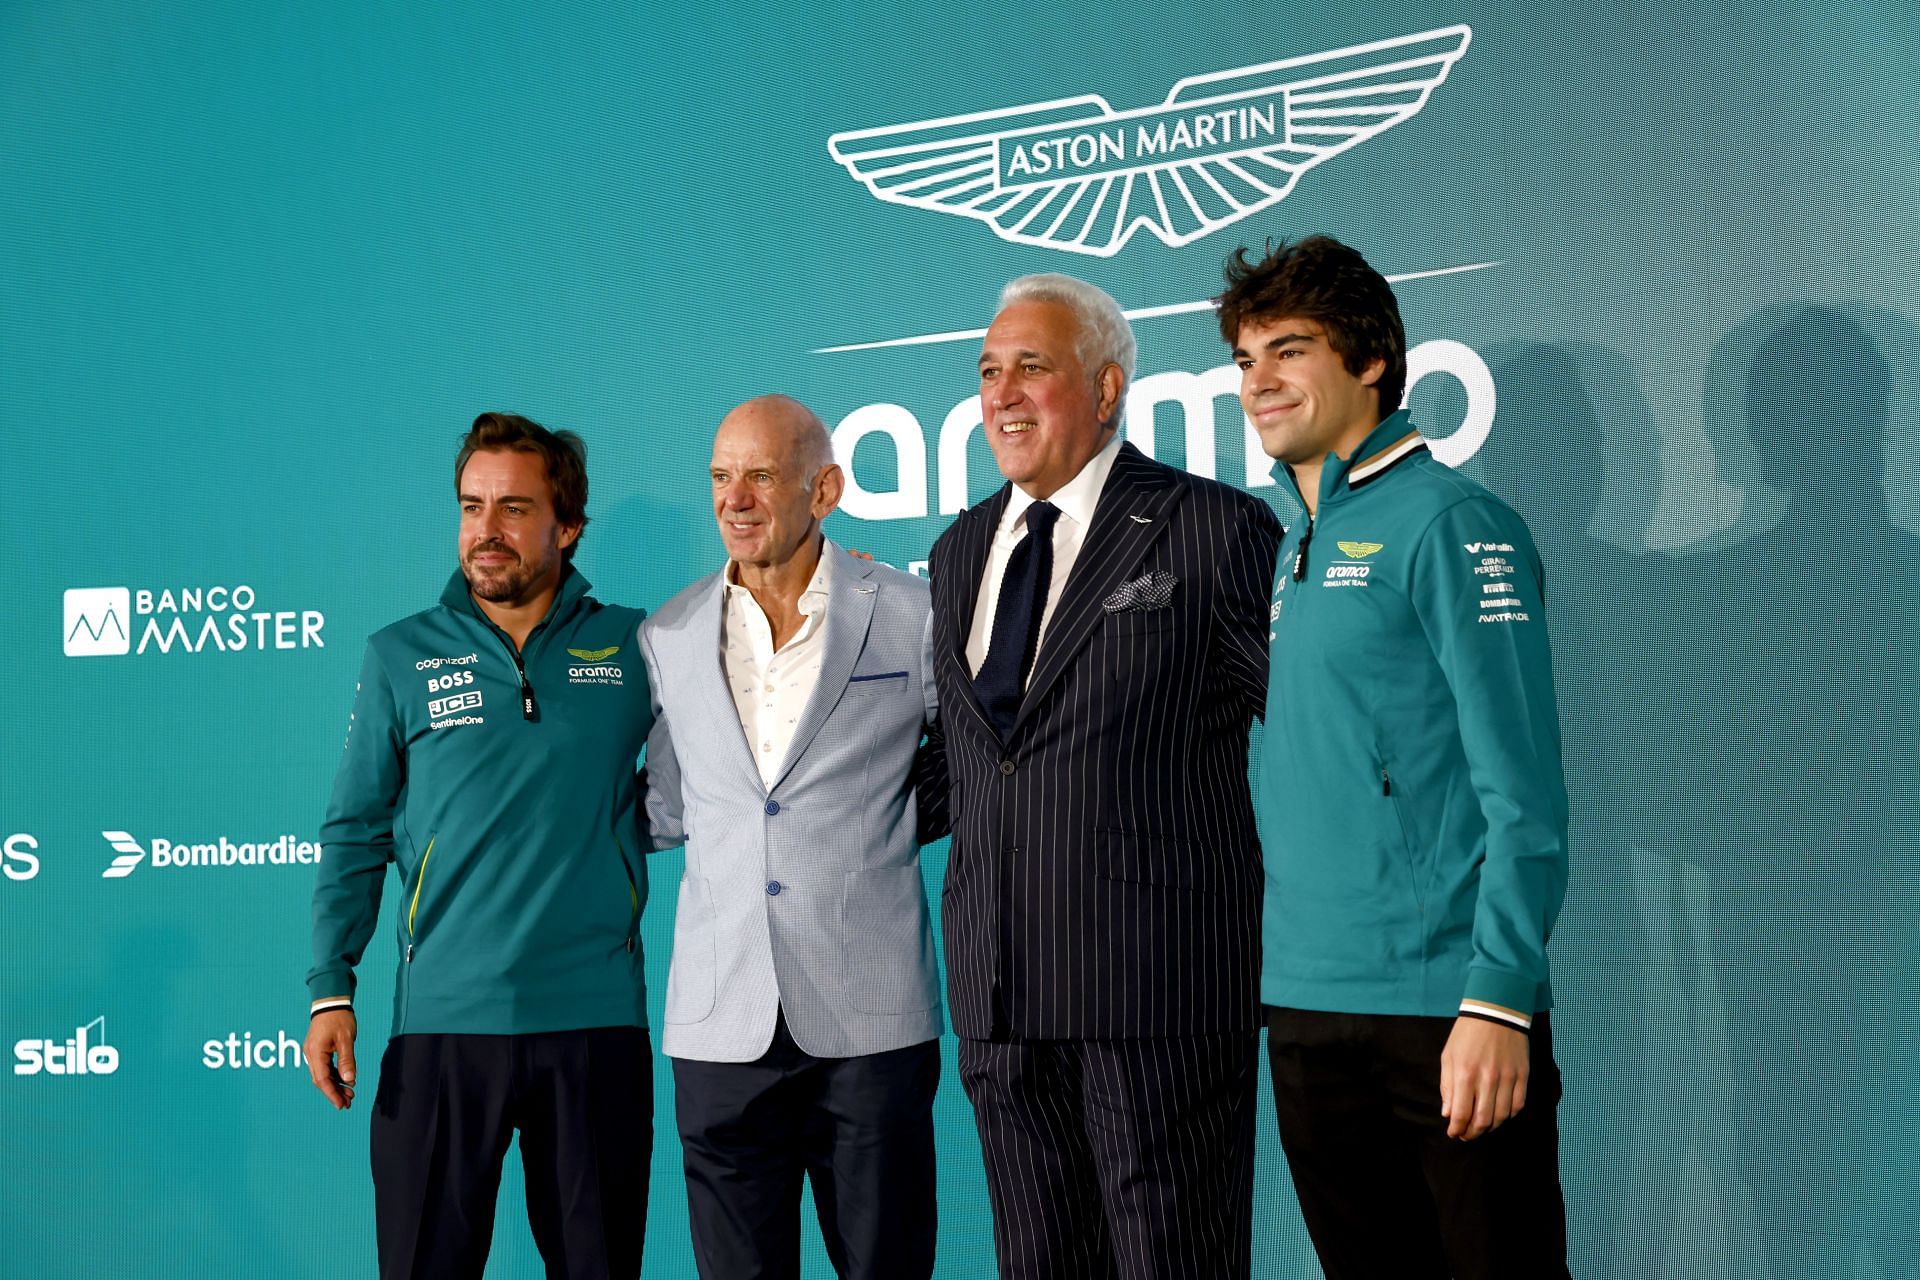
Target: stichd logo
(17, 858)
(285, 850)
(242, 1051)
(74, 1057)
(1075, 174)
(100, 621)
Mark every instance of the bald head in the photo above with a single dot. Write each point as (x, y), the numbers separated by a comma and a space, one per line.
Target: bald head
(774, 481)
(786, 424)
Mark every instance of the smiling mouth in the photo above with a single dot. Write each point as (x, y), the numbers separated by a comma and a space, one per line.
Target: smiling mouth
(1016, 428)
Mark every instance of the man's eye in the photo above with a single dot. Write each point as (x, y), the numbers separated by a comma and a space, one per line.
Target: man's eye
(987, 373)
(1030, 368)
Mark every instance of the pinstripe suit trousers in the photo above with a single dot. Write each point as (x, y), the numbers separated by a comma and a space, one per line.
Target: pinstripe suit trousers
(1117, 1158)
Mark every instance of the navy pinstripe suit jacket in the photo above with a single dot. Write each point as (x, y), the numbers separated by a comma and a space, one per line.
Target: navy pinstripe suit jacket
(1105, 877)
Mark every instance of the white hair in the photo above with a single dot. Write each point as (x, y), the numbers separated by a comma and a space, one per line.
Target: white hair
(1104, 336)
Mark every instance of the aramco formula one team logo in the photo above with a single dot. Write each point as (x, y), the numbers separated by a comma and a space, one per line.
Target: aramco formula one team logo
(1075, 174)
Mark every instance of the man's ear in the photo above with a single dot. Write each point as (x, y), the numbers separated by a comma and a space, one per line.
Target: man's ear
(1113, 385)
(828, 487)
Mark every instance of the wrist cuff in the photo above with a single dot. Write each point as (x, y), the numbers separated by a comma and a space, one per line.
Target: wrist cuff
(1494, 1013)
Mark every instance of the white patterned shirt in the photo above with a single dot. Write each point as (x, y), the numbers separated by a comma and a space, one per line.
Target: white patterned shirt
(770, 690)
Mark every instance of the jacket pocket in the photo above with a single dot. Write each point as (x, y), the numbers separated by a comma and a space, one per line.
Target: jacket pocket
(1396, 794)
(876, 684)
(887, 941)
(414, 921)
(1128, 622)
(690, 977)
(1164, 861)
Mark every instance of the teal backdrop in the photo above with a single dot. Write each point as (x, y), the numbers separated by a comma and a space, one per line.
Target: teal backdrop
(261, 264)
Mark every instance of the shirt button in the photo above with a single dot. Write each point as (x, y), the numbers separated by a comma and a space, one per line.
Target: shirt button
(773, 807)
(769, 689)
(766, 746)
(1006, 767)
(773, 888)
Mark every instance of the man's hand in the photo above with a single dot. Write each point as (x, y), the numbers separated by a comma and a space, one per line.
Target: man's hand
(1483, 1077)
(329, 1036)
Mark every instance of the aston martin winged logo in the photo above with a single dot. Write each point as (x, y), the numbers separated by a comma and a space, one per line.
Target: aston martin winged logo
(595, 655)
(1075, 174)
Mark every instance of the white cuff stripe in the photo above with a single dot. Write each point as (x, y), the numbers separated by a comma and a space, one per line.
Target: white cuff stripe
(331, 1002)
(1490, 1011)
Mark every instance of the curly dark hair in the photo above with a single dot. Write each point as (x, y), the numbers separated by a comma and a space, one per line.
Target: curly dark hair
(1322, 280)
(564, 453)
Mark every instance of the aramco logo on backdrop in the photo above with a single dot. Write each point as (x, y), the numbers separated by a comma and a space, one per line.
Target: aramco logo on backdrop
(1075, 174)
(280, 851)
(85, 1053)
(100, 621)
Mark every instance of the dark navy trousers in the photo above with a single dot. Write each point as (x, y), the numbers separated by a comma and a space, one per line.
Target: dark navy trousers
(447, 1108)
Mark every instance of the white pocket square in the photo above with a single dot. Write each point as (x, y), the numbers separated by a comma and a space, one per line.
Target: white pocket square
(1148, 591)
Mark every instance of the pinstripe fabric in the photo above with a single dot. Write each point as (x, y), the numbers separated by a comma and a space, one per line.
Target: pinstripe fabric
(845, 944)
(1105, 877)
(1118, 1157)
(1105, 882)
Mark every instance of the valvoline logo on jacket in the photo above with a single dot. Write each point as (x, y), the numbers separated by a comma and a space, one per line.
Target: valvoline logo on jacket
(1414, 815)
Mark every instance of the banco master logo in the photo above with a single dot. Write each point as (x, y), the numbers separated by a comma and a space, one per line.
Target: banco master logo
(1075, 174)
(97, 621)
(284, 850)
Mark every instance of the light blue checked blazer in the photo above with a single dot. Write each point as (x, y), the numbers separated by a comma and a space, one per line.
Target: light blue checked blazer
(844, 944)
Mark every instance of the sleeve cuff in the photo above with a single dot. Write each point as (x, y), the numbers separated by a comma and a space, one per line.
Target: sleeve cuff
(330, 1002)
(1496, 1013)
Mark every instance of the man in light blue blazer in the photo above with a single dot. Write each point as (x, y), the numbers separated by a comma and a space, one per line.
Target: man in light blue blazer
(796, 752)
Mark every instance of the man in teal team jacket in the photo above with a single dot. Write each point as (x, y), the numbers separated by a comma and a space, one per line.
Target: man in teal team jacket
(1412, 808)
(490, 761)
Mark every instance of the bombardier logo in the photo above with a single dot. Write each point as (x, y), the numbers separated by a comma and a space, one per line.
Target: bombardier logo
(129, 854)
(1075, 174)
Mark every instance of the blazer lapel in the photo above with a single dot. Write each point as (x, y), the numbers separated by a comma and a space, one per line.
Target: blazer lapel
(1128, 519)
(850, 601)
(708, 635)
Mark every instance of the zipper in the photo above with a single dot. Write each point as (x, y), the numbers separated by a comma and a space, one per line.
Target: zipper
(419, 879)
(633, 893)
(1386, 783)
(529, 706)
(1300, 552)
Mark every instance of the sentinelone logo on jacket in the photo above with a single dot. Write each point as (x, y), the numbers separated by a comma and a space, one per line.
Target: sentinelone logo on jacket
(101, 621)
(283, 851)
(1075, 174)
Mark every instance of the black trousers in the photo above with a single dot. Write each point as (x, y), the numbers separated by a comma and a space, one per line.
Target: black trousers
(448, 1106)
(1383, 1189)
(1117, 1157)
(860, 1128)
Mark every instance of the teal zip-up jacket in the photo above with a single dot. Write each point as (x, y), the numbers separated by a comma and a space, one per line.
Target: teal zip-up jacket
(1412, 806)
(513, 831)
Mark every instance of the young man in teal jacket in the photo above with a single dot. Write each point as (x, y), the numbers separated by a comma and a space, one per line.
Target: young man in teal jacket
(490, 761)
(1413, 814)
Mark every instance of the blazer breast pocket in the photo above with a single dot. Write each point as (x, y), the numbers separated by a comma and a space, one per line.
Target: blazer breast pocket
(1133, 622)
(875, 684)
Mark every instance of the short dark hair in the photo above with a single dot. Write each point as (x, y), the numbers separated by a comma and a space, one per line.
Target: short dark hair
(564, 453)
(1322, 280)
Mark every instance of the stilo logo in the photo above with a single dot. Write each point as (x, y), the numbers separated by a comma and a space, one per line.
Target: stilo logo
(73, 1057)
(1075, 174)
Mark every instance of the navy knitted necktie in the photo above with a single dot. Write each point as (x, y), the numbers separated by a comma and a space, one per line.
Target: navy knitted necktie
(1002, 681)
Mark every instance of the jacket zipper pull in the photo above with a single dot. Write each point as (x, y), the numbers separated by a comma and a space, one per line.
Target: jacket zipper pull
(529, 709)
(409, 953)
(629, 944)
(1300, 555)
(1386, 784)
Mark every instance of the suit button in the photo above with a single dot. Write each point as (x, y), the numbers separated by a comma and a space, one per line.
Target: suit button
(773, 807)
(773, 888)
(1006, 767)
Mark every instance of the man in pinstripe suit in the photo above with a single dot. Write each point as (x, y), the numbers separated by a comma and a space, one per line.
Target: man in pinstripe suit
(793, 720)
(1100, 632)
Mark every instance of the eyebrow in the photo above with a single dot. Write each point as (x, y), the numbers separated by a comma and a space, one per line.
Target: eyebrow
(1274, 344)
(510, 497)
(1024, 353)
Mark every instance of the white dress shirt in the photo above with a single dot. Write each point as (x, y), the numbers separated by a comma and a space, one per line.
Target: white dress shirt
(770, 689)
(1076, 499)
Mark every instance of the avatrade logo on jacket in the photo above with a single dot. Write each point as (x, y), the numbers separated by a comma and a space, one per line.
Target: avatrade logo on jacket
(129, 853)
(101, 621)
(1075, 174)
(87, 1053)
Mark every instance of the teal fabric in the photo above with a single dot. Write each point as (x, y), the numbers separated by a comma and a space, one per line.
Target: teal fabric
(519, 870)
(1413, 812)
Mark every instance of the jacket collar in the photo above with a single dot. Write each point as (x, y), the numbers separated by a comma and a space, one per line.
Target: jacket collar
(574, 586)
(1385, 447)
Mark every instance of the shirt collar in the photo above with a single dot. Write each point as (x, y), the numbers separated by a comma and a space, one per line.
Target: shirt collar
(813, 599)
(1077, 497)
